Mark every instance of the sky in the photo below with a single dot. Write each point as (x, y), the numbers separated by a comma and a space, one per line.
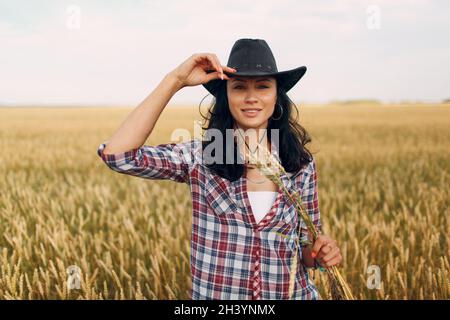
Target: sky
(98, 52)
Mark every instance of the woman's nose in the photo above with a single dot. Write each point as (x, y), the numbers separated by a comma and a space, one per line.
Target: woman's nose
(250, 95)
(250, 100)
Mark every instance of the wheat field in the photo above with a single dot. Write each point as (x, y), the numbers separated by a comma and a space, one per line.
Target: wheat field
(383, 193)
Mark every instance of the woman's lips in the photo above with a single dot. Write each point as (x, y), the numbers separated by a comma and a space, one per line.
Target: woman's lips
(251, 112)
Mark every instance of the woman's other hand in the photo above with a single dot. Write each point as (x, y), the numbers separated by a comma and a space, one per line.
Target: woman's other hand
(193, 71)
(326, 251)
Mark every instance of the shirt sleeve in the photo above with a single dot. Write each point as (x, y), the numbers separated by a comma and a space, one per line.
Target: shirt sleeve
(310, 199)
(170, 161)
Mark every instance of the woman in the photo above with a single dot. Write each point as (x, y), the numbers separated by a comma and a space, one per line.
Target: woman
(243, 229)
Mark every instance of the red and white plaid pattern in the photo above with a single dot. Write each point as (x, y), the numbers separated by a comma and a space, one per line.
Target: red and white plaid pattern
(232, 256)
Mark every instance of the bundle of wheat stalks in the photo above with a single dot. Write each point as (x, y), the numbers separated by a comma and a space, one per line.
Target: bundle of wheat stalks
(272, 169)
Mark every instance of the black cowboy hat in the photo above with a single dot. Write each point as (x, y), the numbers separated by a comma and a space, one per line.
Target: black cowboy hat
(253, 57)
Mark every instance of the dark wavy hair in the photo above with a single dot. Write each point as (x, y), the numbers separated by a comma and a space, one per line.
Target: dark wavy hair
(292, 136)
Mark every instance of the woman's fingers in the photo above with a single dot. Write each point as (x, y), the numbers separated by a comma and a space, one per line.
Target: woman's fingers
(333, 262)
(213, 61)
(216, 59)
(215, 75)
(318, 244)
(334, 257)
(206, 60)
(229, 69)
(216, 63)
(333, 253)
(221, 67)
(324, 250)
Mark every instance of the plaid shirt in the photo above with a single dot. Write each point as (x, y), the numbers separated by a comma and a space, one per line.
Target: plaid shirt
(232, 256)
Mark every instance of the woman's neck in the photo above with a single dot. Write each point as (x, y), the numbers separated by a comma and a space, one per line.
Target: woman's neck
(255, 135)
(256, 140)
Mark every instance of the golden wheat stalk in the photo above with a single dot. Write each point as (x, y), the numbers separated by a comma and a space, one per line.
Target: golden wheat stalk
(272, 169)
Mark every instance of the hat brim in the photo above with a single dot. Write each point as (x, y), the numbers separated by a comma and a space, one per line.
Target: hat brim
(285, 79)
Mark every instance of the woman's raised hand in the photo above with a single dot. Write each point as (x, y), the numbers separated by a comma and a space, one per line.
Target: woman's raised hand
(193, 71)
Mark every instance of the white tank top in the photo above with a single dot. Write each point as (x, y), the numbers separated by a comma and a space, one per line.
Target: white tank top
(261, 202)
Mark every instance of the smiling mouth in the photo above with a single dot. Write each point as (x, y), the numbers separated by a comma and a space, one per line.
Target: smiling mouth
(251, 111)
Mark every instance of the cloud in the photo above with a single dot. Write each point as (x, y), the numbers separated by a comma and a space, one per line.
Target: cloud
(123, 49)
